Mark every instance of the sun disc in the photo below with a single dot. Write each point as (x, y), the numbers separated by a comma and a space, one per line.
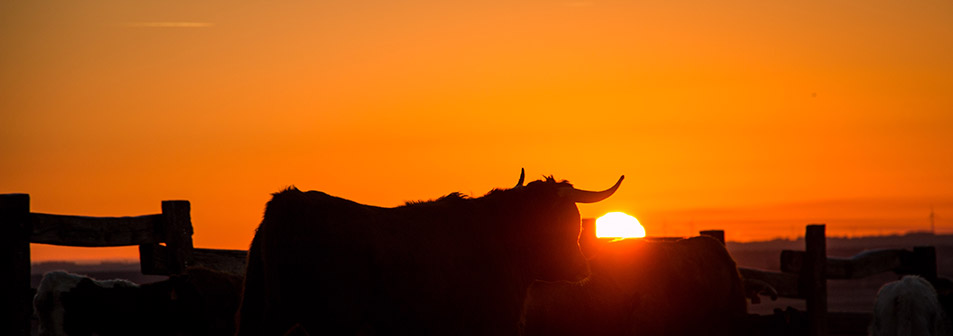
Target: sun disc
(618, 225)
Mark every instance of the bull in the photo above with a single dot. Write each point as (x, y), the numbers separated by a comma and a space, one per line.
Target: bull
(454, 266)
(639, 287)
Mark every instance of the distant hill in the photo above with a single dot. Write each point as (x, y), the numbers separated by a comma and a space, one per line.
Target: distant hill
(767, 254)
(840, 243)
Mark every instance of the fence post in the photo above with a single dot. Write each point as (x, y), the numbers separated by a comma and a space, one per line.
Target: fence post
(814, 279)
(717, 234)
(15, 290)
(178, 234)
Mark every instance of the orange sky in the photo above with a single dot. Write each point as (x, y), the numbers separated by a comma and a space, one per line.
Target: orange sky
(751, 116)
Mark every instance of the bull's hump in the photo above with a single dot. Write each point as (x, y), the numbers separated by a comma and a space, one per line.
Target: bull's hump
(317, 198)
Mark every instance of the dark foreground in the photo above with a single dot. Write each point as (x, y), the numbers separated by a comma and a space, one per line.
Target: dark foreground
(852, 296)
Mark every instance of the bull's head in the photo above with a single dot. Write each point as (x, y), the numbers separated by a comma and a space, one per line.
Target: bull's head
(580, 196)
(550, 225)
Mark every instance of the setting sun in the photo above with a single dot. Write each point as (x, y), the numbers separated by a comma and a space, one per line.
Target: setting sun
(618, 224)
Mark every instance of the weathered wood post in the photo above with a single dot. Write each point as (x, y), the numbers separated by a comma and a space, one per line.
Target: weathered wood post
(15, 291)
(178, 234)
(814, 279)
(717, 234)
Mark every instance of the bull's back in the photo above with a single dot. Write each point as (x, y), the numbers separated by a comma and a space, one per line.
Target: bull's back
(656, 286)
(693, 278)
(308, 260)
(703, 283)
(718, 269)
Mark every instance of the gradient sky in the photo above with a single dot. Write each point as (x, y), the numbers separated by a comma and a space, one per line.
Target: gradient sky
(750, 116)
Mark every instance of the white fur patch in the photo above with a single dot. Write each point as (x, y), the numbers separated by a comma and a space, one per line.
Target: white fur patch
(908, 306)
(47, 304)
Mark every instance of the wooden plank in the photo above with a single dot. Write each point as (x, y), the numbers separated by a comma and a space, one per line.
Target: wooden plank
(95, 231)
(229, 261)
(154, 260)
(785, 284)
(865, 264)
(15, 300)
(178, 233)
(813, 279)
(859, 266)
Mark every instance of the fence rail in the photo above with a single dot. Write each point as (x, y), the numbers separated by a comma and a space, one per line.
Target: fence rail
(786, 285)
(95, 231)
(869, 263)
(154, 260)
(804, 275)
(19, 227)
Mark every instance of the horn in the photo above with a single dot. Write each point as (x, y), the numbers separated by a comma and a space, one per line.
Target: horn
(585, 196)
(522, 176)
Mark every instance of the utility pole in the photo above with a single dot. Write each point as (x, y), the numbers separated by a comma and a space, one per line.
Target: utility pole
(932, 221)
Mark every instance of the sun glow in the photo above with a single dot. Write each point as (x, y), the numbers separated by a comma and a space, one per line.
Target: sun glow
(618, 225)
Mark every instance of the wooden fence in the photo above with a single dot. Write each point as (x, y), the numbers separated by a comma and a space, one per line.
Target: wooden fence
(164, 240)
(804, 275)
